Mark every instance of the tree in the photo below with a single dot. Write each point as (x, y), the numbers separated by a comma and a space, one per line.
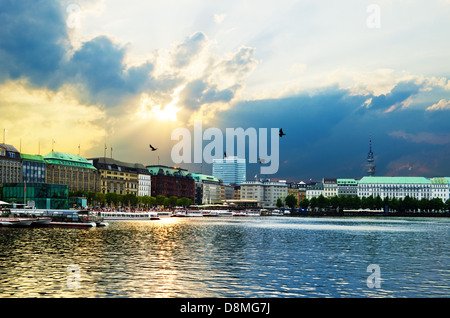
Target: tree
(291, 201)
(100, 198)
(173, 201)
(304, 204)
(160, 199)
(334, 202)
(279, 203)
(322, 202)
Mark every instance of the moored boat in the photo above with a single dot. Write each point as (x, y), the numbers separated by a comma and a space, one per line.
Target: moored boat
(123, 216)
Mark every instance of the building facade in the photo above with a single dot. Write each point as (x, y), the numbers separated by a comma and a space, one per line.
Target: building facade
(314, 189)
(207, 189)
(395, 187)
(72, 170)
(347, 187)
(266, 193)
(231, 170)
(10, 164)
(117, 176)
(33, 168)
(169, 181)
(330, 188)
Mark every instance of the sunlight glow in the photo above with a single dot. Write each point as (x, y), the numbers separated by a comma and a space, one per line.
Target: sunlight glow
(151, 109)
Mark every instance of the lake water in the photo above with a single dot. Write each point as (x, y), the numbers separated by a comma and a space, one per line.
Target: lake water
(230, 257)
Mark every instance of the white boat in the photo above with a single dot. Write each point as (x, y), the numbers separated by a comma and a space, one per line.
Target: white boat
(217, 213)
(277, 212)
(164, 214)
(60, 218)
(188, 213)
(11, 221)
(127, 216)
(253, 213)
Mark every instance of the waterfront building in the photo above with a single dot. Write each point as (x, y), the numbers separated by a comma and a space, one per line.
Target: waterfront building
(72, 170)
(33, 168)
(231, 170)
(440, 188)
(395, 187)
(207, 189)
(168, 181)
(117, 176)
(226, 192)
(39, 195)
(10, 164)
(265, 192)
(314, 189)
(293, 189)
(144, 180)
(347, 187)
(301, 191)
(330, 188)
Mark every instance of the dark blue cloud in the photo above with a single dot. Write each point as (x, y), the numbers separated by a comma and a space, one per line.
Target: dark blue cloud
(327, 134)
(33, 41)
(401, 92)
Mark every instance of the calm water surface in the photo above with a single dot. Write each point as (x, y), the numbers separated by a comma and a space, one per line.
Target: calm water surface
(229, 257)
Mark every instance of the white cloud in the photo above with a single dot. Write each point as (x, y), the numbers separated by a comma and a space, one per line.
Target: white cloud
(441, 105)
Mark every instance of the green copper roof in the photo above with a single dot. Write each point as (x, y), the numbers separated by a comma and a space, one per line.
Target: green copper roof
(68, 160)
(391, 180)
(204, 177)
(35, 158)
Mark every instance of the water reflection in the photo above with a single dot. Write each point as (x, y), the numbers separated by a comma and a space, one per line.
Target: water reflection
(229, 257)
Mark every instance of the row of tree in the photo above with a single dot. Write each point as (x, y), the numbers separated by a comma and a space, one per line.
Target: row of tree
(340, 203)
(130, 199)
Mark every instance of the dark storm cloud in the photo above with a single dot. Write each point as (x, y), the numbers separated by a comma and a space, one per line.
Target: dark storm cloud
(199, 92)
(33, 41)
(327, 134)
(400, 93)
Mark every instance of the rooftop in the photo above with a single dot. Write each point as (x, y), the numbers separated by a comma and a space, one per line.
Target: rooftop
(390, 180)
(67, 159)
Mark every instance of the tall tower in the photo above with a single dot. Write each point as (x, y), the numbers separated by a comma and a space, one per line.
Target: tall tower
(370, 161)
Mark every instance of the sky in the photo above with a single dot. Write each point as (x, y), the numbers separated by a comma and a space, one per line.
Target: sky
(79, 75)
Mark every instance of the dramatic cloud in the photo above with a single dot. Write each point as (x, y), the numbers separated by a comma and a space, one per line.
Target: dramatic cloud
(441, 105)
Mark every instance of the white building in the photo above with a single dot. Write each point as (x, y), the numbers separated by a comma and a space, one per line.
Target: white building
(265, 192)
(395, 187)
(145, 185)
(314, 190)
(440, 188)
(330, 188)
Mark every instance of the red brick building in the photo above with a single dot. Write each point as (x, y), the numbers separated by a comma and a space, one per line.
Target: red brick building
(169, 181)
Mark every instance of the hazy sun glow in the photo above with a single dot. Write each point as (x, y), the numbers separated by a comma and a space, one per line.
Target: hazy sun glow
(153, 109)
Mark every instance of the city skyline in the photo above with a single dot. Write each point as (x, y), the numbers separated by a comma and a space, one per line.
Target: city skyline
(90, 73)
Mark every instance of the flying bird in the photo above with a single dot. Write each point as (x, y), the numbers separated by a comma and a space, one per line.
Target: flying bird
(282, 133)
(153, 149)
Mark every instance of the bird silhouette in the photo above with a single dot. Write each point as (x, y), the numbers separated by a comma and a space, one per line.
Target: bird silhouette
(153, 149)
(282, 133)
(262, 160)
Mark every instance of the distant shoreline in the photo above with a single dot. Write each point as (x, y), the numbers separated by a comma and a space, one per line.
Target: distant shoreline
(371, 214)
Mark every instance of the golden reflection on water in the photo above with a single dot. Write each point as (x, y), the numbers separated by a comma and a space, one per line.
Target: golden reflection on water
(204, 257)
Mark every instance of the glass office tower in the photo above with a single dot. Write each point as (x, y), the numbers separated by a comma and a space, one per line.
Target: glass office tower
(231, 170)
